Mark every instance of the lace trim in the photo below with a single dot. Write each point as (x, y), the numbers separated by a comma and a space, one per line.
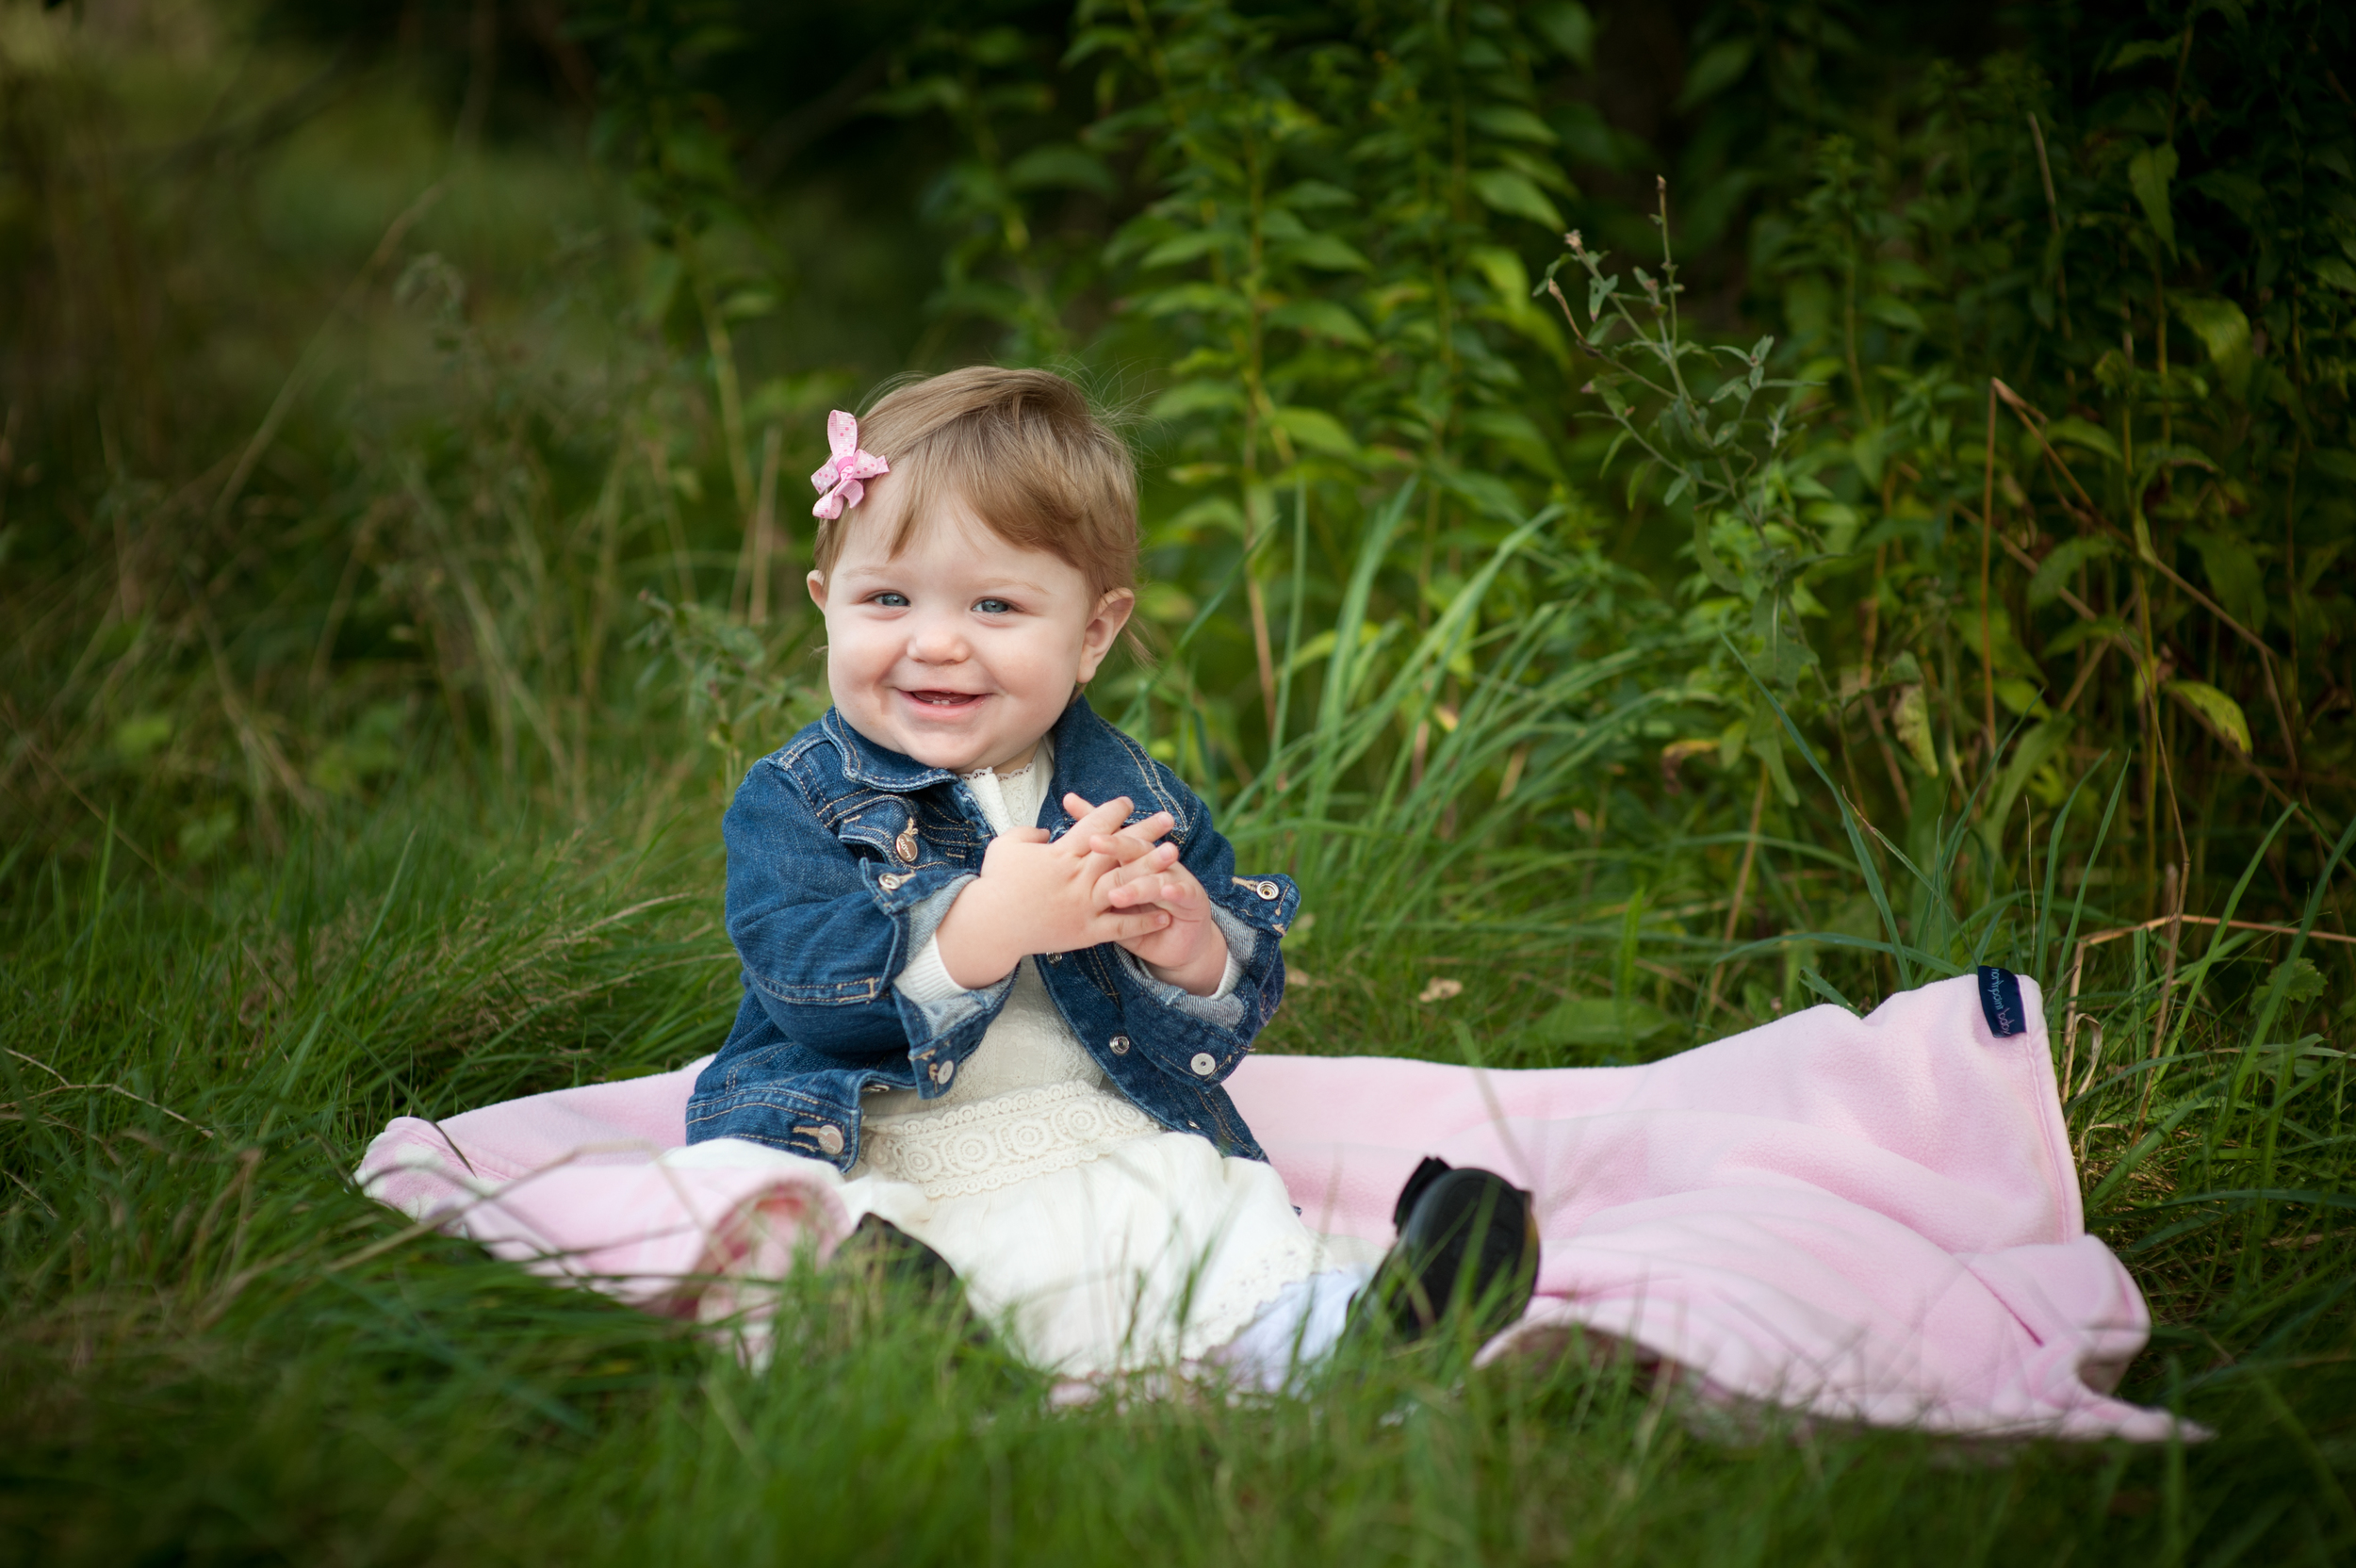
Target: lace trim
(1242, 1297)
(997, 1142)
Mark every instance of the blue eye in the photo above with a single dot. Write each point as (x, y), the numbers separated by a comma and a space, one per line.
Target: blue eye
(993, 607)
(891, 601)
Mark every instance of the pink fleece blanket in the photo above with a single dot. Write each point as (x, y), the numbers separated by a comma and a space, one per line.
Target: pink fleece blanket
(1874, 1219)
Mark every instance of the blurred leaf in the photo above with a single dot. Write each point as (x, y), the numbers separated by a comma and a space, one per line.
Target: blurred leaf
(2019, 696)
(2222, 713)
(1197, 396)
(2148, 175)
(2234, 574)
(2237, 191)
(1061, 166)
(1720, 67)
(1514, 122)
(1894, 311)
(1211, 512)
(1722, 576)
(2073, 431)
(2224, 331)
(1513, 194)
(205, 832)
(2054, 572)
(1208, 298)
(2037, 748)
(343, 765)
(1321, 318)
(2144, 49)
(997, 46)
(1911, 718)
(1318, 431)
(2335, 271)
(1311, 195)
(656, 286)
(1190, 246)
(1516, 430)
(2101, 629)
(1486, 491)
(2220, 323)
(140, 734)
(1570, 28)
(1326, 253)
(1166, 602)
(1866, 451)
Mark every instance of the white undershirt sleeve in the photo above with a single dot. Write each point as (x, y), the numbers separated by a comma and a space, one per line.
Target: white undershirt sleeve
(926, 980)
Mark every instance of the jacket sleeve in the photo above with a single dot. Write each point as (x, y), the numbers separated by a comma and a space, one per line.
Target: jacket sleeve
(820, 928)
(1253, 914)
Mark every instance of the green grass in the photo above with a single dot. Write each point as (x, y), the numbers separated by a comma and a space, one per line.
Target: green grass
(216, 1350)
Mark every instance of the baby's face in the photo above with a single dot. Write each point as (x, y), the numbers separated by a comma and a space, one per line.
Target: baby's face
(962, 651)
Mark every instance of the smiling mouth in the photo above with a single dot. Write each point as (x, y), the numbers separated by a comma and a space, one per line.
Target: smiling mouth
(946, 702)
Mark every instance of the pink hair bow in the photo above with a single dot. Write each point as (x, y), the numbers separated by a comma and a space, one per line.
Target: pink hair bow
(838, 481)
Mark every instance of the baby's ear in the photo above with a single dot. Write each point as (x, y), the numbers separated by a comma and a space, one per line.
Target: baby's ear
(1112, 613)
(816, 582)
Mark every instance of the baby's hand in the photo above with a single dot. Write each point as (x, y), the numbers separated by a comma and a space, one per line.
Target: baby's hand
(1189, 952)
(1034, 896)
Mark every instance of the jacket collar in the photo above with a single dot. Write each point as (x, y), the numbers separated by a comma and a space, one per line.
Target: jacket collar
(1080, 745)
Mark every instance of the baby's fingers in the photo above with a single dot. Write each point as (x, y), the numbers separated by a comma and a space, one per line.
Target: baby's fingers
(1150, 829)
(1135, 857)
(1123, 850)
(1147, 888)
(1093, 819)
(1149, 867)
(1174, 893)
(1117, 927)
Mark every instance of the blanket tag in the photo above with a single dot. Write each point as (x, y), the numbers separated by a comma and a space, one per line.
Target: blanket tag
(2000, 999)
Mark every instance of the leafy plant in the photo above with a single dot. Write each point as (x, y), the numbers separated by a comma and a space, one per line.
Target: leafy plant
(1720, 458)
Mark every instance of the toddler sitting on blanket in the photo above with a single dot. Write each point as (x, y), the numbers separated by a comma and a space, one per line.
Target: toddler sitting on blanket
(997, 962)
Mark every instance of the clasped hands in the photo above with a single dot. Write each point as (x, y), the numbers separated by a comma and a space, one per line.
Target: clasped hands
(1099, 883)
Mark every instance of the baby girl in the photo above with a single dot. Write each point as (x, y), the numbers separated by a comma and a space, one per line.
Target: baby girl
(997, 961)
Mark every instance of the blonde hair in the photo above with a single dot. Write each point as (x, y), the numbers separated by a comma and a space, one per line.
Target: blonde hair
(1025, 450)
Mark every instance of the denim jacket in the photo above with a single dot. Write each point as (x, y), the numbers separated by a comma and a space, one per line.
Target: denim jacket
(842, 860)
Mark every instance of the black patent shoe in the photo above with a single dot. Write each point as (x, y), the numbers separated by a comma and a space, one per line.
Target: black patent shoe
(1467, 1241)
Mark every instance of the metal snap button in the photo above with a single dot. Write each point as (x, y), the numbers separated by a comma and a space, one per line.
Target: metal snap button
(1204, 1064)
(1269, 891)
(905, 846)
(1120, 1045)
(891, 881)
(830, 1139)
(943, 1071)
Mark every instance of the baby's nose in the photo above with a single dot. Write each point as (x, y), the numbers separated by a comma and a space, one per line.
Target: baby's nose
(936, 642)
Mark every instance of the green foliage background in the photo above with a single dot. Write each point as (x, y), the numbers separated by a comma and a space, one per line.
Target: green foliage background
(1658, 515)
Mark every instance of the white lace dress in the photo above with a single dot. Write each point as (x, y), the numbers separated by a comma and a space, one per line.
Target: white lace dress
(1098, 1241)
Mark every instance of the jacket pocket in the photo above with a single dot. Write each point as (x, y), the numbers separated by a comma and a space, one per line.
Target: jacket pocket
(905, 839)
